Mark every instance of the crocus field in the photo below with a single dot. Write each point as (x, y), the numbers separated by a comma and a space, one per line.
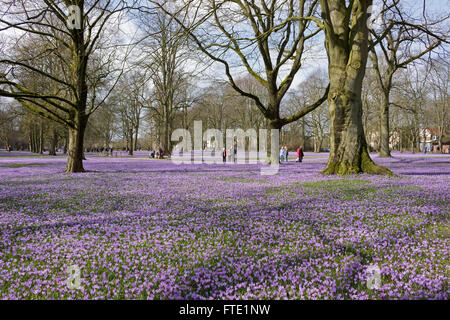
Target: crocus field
(149, 229)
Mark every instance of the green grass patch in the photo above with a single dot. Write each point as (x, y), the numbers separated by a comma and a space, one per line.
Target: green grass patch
(22, 165)
(343, 189)
(326, 184)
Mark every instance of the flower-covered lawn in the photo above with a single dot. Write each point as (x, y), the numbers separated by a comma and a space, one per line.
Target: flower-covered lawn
(148, 229)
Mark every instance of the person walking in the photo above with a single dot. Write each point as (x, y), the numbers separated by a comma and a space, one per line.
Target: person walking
(300, 154)
(286, 153)
(235, 152)
(224, 155)
(281, 154)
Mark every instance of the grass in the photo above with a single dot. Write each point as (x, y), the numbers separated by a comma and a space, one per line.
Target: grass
(23, 165)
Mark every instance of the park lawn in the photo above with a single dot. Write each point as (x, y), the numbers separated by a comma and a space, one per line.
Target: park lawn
(143, 229)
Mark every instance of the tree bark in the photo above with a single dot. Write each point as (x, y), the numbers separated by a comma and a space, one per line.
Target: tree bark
(41, 139)
(36, 140)
(384, 129)
(53, 143)
(30, 141)
(131, 145)
(303, 142)
(78, 118)
(76, 143)
(136, 133)
(347, 50)
(166, 129)
(348, 154)
(273, 142)
(317, 139)
(66, 142)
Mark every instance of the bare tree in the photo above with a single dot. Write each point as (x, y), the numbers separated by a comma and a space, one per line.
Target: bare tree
(440, 77)
(164, 58)
(347, 46)
(130, 99)
(317, 120)
(411, 97)
(398, 41)
(266, 37)
(71, 39)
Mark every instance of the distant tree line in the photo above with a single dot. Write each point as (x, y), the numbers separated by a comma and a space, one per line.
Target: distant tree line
(125, 74)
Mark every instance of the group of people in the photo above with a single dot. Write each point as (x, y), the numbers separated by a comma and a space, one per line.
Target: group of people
(284, 154)
(231, 154)
(158, 154)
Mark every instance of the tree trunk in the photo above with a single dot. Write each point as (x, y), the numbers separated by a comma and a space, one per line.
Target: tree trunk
(401, 141)
(273, 142)
(66, 142)
(41, 139)
(347, 50)
(303, 142)
(384, 129)
(320, 142)
(416, 132)
(348, 154)
(53, 143)
(79, 118)
(136, 133)
(166, 130)
(76, 141)
(317, 142)
(7, 143)
(30, 143)
(131, 148)
(36, 140)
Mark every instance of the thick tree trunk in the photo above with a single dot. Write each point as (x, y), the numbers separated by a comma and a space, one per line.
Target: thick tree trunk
(348, 154)
(347, 50)
(76, 142)
(384, 129)
(273, 138)
(79, 118)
